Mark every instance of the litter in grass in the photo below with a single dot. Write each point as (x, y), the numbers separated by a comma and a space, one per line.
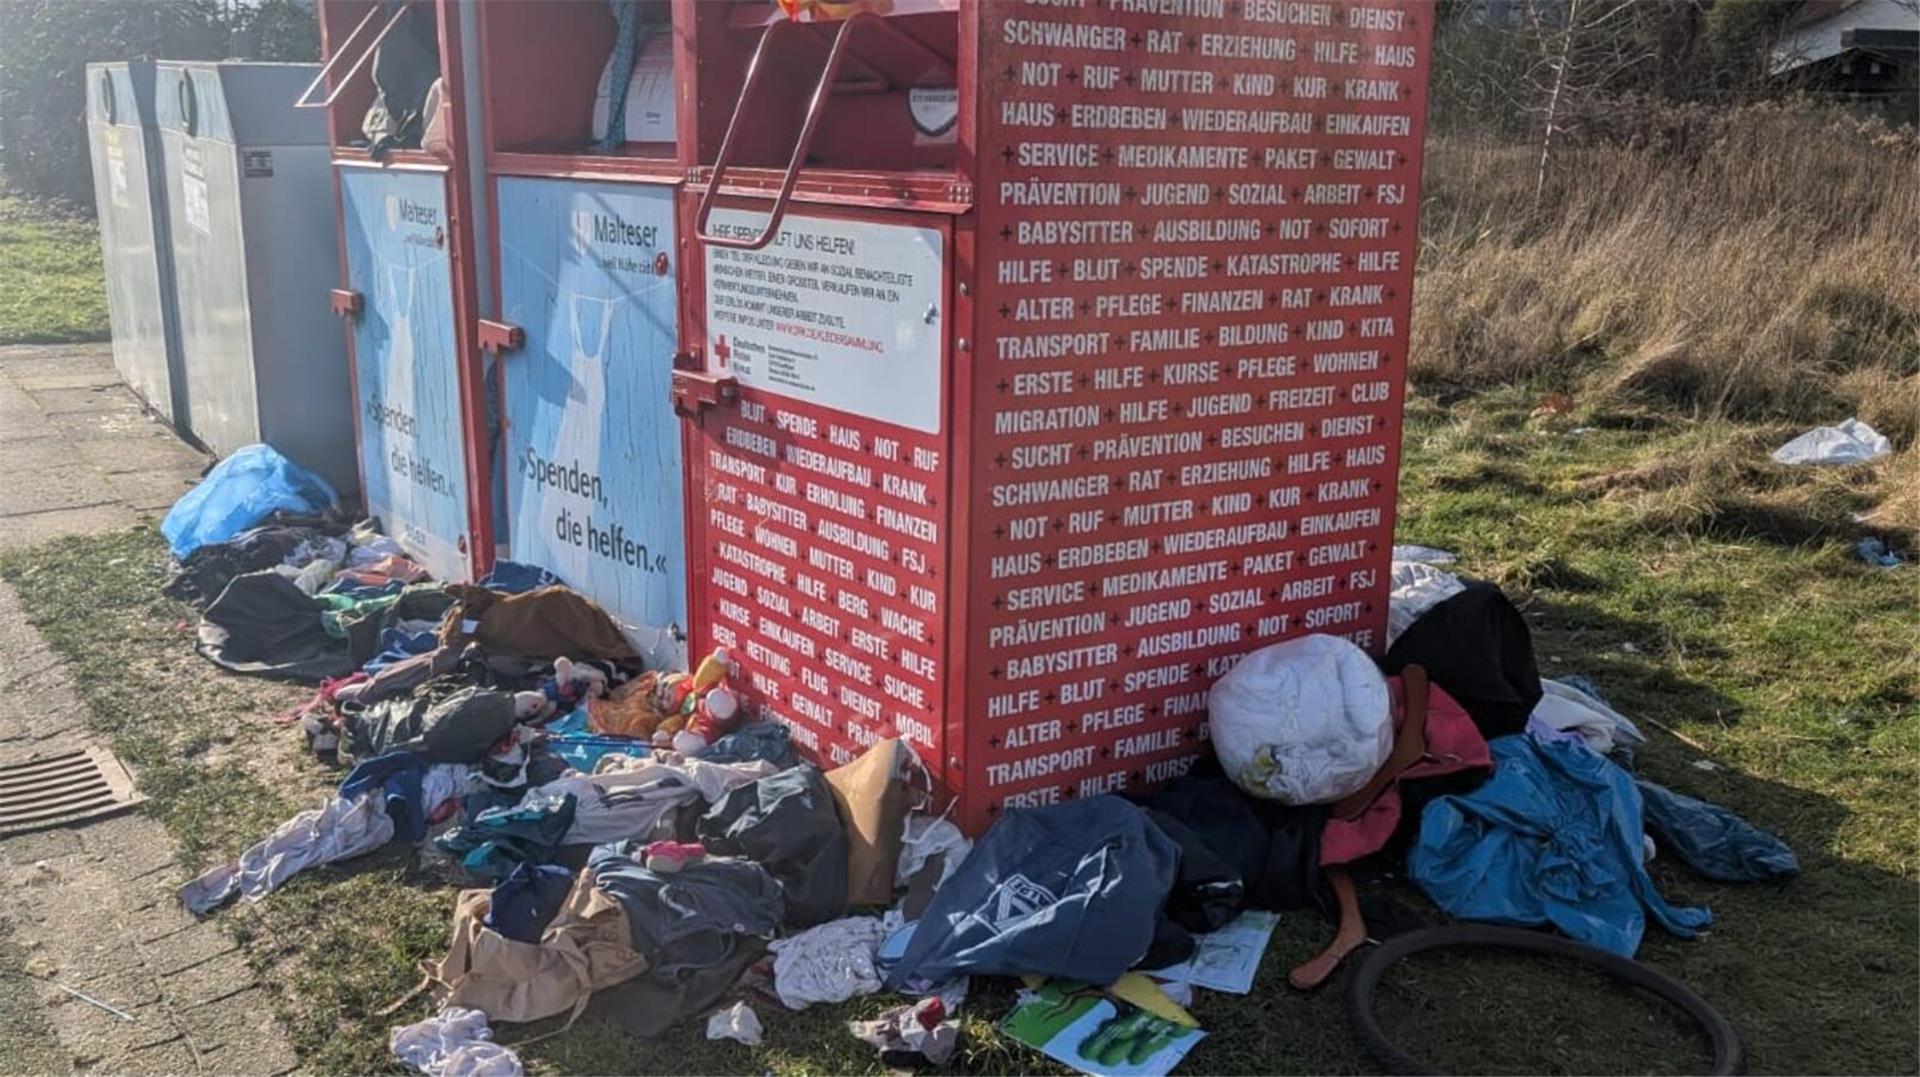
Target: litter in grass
(638, 839)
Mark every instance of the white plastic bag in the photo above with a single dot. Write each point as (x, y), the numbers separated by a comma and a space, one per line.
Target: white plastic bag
(434, 137)
(737, 1022)
(1852, 442)
(1414, 588)
(651, 106)
(1306, 721)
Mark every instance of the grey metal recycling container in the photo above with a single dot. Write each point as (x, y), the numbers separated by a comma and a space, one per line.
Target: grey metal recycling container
(250, 207)
(130, 197)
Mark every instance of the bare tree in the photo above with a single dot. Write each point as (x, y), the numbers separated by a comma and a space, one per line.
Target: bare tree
(1582, 47)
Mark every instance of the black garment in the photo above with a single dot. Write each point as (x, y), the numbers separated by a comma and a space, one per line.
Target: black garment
(264, 625)
(1477, 647)
(1207, 893)
(1274, 848)
(404, 69)
(364, 625)
(209, 568)
(789, 824)
(647, 1007)
(444, 720)
(691, 919)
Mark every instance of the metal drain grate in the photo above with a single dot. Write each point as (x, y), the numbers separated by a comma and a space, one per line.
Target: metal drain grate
(56, 790)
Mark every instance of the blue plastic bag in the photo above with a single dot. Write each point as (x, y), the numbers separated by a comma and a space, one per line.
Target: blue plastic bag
(238, 493)
(1552, 838)
(1713, 841)
(1071, 890)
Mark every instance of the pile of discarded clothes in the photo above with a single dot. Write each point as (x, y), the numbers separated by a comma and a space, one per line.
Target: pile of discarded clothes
(625, 837)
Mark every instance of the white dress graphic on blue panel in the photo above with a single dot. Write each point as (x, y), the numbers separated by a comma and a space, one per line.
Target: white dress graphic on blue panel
(406, 375)
(589, 321)
(593, 472)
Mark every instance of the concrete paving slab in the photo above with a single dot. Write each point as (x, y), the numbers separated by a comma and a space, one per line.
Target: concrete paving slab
(89, 400)
(156, 923)
(99, 1040)
(132, 844)
(42, 477)
(261, 1057)
(20, 642)
(111, 423)
(125, 988)
(232, 1026)
(153, 491)
(176, 953)
(21, 417)
(32, 529)
(26, 849)
(149, 448)
(60, 371)
(83, 375)
(25, 357)
(225, 975)
(151, 891)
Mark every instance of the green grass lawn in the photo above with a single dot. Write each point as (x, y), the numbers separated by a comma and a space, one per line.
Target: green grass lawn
(51, 285)
(1733, 615)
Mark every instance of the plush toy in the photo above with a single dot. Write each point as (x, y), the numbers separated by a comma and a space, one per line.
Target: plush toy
(571, 684)
(683, 711)
(715, 717)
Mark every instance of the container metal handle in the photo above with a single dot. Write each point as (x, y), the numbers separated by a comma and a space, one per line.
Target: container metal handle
(399, 13)
(836, 56)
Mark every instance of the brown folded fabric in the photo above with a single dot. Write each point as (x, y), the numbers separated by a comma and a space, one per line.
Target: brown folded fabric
(546, 623)
(588, 946)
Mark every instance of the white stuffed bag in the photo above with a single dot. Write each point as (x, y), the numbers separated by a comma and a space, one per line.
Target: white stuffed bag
(1307, 721)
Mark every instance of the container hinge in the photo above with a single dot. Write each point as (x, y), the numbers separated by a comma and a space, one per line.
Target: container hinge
(500, 336)
(346, 302)
(694, 391)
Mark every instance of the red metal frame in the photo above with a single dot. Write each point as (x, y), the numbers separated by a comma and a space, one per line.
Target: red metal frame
(347, 100)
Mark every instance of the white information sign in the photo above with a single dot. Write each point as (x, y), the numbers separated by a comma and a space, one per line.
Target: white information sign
(193, 189)
(848, 315)
(116, 169)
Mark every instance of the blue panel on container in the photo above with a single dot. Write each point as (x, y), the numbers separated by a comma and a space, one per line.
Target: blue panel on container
(593, 472)
(406, 364)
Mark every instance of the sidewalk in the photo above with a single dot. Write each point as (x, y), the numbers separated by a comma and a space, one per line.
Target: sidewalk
(92, 907)
(80, 454)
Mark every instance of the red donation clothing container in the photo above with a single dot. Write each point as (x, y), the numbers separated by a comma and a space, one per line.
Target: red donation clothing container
(1042, 359)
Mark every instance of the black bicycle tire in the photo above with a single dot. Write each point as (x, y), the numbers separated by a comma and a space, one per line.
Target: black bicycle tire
(1728, 1052)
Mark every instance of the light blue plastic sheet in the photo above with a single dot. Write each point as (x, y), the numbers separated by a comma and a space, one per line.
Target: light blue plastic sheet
(238, 493)
(1552, 838)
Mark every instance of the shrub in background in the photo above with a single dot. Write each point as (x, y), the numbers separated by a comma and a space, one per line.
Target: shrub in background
(45, 46)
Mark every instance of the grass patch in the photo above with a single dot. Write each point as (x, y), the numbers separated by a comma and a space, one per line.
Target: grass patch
(52, 288)
(1755, 261)
(1788, 660)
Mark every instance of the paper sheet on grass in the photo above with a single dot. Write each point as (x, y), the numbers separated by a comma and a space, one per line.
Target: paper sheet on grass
(1227, 959)
(1082, 1027)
